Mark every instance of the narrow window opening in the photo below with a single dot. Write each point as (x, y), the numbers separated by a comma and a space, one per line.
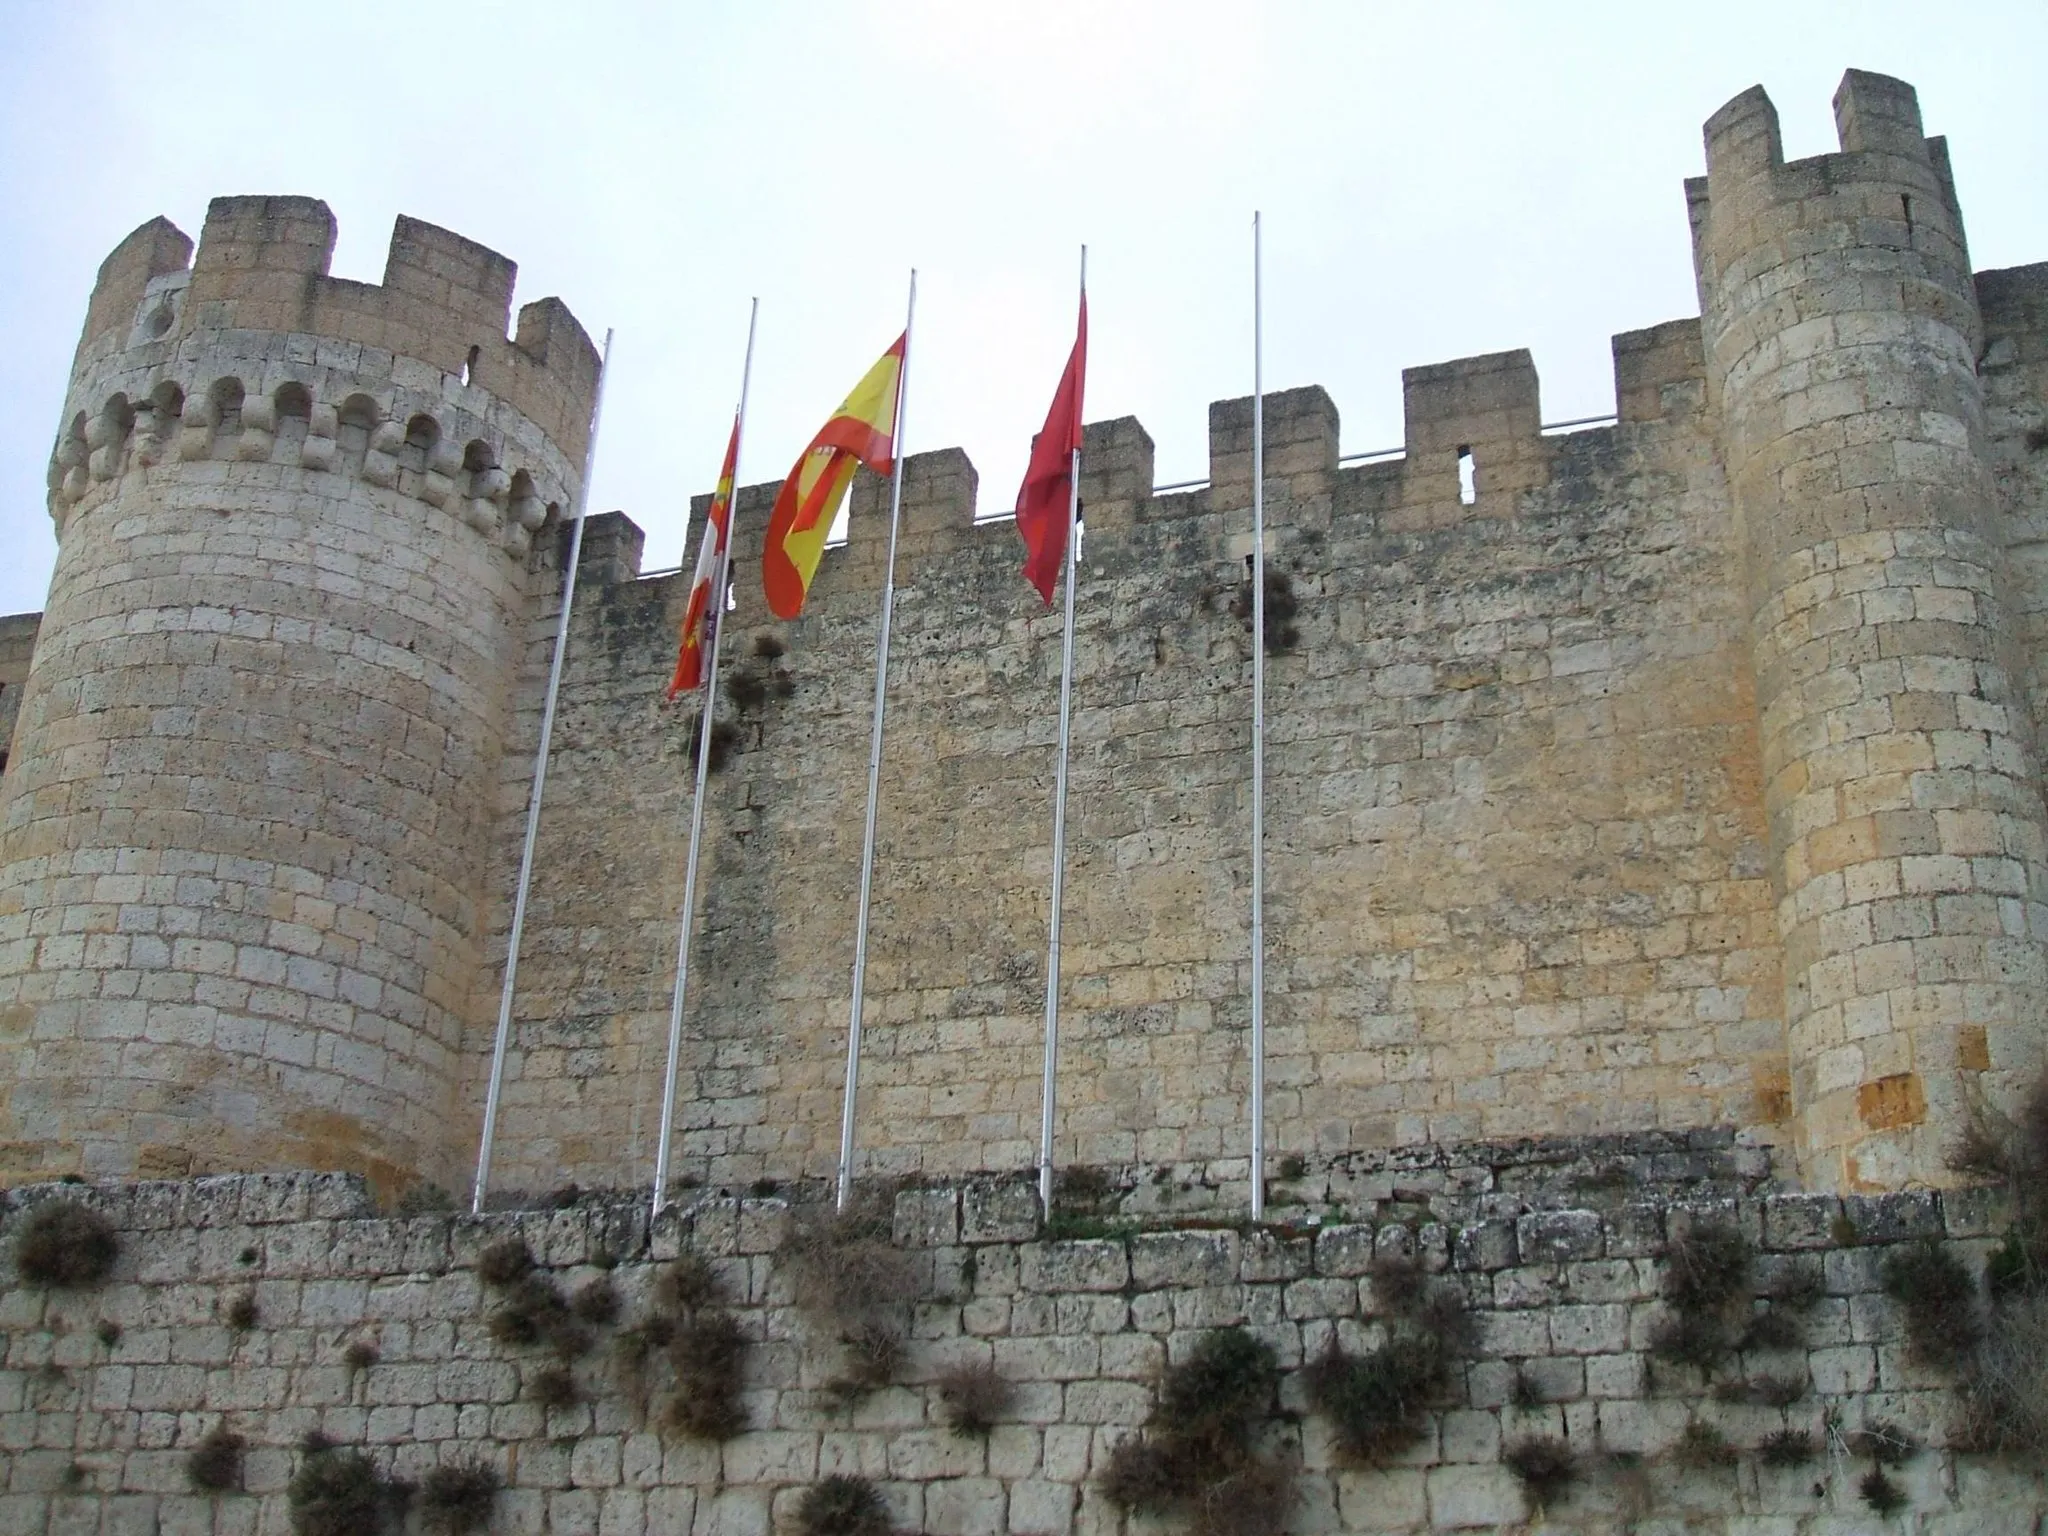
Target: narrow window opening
(469, 363)
(1906, 208)
(1468, 486)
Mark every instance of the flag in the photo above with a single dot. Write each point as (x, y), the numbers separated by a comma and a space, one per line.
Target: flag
(1045, 503)
(703, 613)
(861, 431)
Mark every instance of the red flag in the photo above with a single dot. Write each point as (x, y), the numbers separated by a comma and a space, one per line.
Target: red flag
(1045, 503)
(701, 617)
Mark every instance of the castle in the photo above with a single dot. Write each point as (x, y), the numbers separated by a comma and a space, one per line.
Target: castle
(1679, 774)
(1655, 896)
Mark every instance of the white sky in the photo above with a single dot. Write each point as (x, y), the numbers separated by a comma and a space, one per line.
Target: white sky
(1437, 181)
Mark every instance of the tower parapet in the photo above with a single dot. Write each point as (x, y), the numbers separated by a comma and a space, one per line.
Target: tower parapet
(243, 843)
(1841, 333)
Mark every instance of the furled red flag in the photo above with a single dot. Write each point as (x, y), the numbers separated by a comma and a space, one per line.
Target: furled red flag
(703, 613)
(861, 431)
(1045, 503)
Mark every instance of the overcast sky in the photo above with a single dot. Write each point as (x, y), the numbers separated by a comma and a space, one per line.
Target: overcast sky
(1437, 181)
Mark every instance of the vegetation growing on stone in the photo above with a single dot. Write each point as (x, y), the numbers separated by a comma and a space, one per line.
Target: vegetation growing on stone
(553, 1386)
(1701, 1446)
(456, 1497)
(341, 1493)
(243, 1313)
(505, 1263)
(707, 1357)
(1882, 1494)
(1376, 1401)
(849, 1278)
(425, 1199)
(974, 1397)
(1545, 1466)
(1787, 1448)
(842, 1506)
(596, 1302)
(1281, 607)
(360, 1355)
(1707, 1285)
(1199, 1457)
(65, 1245)
(1940, 1302)
(215, 1463)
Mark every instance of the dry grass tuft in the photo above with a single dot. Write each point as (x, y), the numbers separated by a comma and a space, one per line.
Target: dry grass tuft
(63, 1245)
(1198, 1458)
(686, 1284)
(1940, 1302)
(458, 1496)
(215, 1463)
(975, 1398)
(1882, 1494)
(1702, 1445)
(1787, 1448)
(360, 1355)
(504, 1263)
(554, 1386)
(596, 1302)
(842, 1506)
(243, 1313)
(341, 1493)
(1545, 1467)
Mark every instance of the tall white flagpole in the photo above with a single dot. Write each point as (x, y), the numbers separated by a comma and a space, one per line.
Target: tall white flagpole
(867, 850)
(706, 708)
(1258, 732)
(1059, 826)
(540, 778)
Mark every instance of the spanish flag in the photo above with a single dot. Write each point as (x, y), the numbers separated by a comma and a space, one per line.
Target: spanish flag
(701, 617)
(861, 431)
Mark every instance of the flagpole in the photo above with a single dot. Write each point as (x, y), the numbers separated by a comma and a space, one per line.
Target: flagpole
(867, 850)
(1258, 732)
(496, 1089)
(1059, 825)
(719, 587)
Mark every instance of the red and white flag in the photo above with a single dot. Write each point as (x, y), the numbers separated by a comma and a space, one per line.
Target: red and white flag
(702, 615)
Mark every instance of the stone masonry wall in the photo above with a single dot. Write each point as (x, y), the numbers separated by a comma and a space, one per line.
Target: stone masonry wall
(96, 1422)
(1515, 865)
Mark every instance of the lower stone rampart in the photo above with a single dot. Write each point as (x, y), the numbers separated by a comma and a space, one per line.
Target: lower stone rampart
(283, 1307)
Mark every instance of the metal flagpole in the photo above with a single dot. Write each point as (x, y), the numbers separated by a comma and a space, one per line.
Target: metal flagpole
(1059, 826)
(705, 711)
(867, 850)
(1258, 733)
(540, 779)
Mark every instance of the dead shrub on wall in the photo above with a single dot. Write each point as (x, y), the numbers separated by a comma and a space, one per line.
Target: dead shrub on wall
(65, 1245)
(1199, 1457)
(1376, 1400)
(850, 1279)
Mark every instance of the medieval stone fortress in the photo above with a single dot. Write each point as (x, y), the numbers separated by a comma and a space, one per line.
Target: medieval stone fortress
(1657, 935)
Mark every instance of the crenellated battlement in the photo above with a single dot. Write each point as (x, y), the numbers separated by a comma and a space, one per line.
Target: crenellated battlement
(261, 265)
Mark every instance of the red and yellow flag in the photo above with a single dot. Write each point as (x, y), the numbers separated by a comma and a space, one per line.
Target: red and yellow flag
(700, 619)
(861, 431)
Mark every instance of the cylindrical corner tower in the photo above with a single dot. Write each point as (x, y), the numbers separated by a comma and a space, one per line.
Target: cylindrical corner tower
(244, 829)
(1907, 831)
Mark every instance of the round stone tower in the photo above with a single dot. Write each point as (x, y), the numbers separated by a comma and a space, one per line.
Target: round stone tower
(243, 832)
(1907, 835)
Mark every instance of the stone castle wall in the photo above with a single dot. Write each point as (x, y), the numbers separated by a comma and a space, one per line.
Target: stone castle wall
(96, 1424)
(1686, 776)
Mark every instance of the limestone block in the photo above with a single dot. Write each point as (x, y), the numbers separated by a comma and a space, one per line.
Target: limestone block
(253, 445)
(437, 490)
(317, 453)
